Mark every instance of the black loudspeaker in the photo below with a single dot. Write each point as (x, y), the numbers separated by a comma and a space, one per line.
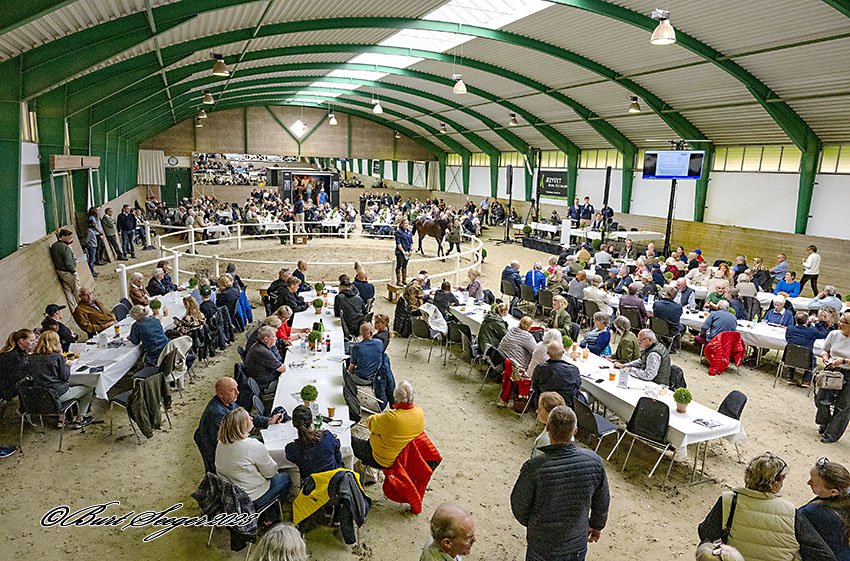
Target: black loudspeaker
(510, 178)
(607, 185)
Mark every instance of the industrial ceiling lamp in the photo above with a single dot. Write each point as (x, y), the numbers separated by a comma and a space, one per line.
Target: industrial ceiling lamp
(198, 123)
(634, 106)
(397, 134)
(443, 128)
(664, 33)
(377, 109)
(459, 87)
(513, 121)
(208, 98)
(331, 117)
(219, 68)
(202, 114)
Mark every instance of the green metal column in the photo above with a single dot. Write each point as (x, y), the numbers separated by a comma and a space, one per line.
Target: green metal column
(442, 158)
(629, 155)
(572, 173)
(395, 170)
(808, 170)
(529, 175)
(50, 111)
(112, 166)
(369, 167)
(359, 165)
(701, 190)
(78, 138)
(494, 175)
(381, 168)
(410, 165)
(465, 168)
(97, 143)
(10, 164)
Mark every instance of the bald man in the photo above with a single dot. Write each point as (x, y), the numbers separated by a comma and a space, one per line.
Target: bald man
(452, 534)
(224, 401)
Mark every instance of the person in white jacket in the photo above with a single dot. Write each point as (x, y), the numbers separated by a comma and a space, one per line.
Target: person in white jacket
(811, 270)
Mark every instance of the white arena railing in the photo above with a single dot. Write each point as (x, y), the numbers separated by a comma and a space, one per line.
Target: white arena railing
(182, 253)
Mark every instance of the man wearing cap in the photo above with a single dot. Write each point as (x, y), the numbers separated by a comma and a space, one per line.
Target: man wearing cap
(66, 336)
(66, 265)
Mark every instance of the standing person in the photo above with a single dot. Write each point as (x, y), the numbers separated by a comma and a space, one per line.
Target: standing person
(562, 496)
(764, 526)
(485, 210)
(811, 269)
(574, 213)
(298, 211)
(587, 211)
(547, 402)
(452, 534)
(403, 246)
(127, 228)
(834, 405)
(829, 511)
(66, 265)
(13, 361)
(91, 245)
(110, 230)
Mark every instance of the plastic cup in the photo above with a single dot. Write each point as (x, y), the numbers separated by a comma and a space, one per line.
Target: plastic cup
(612, 375)
(331, 411)
(585, 353)
(117, 330)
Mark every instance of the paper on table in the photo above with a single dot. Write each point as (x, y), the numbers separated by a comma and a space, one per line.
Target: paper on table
(336, 357)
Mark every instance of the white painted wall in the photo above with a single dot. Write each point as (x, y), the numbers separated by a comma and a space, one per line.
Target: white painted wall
(518, 184)
(830, 207)
(32, 226)
(651, 197)
(454, 179)
(766, 201)
(479, 181)
(388, 169)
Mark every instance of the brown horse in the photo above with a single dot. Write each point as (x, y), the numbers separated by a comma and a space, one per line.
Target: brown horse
(424, 226)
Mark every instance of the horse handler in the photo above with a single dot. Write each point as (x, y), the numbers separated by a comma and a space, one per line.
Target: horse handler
(403, 247)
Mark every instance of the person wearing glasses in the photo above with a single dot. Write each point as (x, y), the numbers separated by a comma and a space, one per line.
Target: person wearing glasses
(763, 526)
(834, 405)
(829, 511)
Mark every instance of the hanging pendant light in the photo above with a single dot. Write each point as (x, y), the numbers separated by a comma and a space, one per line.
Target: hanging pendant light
(397, 134)
(459, 87)
(377, 109)
(664, 33)
(513, 122)
(202, 114)
(208, 98)
(198, 123)
(443, 128)
(634, 106)
(220, 68)
(332, 120)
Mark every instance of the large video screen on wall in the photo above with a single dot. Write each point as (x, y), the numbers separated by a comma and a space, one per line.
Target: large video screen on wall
(673, 164)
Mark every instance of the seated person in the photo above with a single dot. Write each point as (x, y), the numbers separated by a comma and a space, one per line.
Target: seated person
(717, 322)
(13, 361)
(299, 273)
(511, 273)
(667, 309)
(207, 307)
(313, 451)
(196, 292)
(685, 295)
(632, 301)
(624, 280)
(426, 280)
(227, 295)
(366, 359)
(598, 339)
(545, 404)
(224, 401)
(443, 298)
(245, 462)
(90, 314)
(192, 320)
(391, 430)
(254, 337)
(804, 335)
(261, 363)
(166, 276)
(364, 287)
(66, 336)
(736, 304)
(628, 251)
(714, 298)
(493, 326)
(556, 375)
(559, 317)
(654, 362)
(136, 293)
(156, 286)
(778, 315)
(48, 368)
(788, 287)
(826, 298)
(382, 329)
(746, 288)
(474, 288)
(698, 276)
(577, 286)
(276, 291)
(350, 306)
(518, 344)
(147, 332)
(612, 279)
(628, 348)
(541, 349)
(595, 294)
(284, 331)
(237, 282)
(535, 278)
(291, 298)
(414, 293)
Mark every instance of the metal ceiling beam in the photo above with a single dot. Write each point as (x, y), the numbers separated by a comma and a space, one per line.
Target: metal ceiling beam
(152, 25)
(18, 14)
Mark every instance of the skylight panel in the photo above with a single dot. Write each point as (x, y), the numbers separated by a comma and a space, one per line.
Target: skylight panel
(492, 14)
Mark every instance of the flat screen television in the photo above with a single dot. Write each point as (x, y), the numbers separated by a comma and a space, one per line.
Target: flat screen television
(673, 164)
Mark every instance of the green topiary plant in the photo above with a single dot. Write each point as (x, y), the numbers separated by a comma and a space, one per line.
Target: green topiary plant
(683, 396)
(568, 341)
(668, 275)
(596, 244)
(319, 286)
(318, 303)
(526, 230)
(193, 282)
(309, 393)
(155, 304)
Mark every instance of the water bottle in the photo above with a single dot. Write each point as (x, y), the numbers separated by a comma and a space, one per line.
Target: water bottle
(304, 343)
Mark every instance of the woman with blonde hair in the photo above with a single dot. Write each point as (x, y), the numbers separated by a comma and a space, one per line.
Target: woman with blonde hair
(724, 273)
(285, 331)
(48, 368)
(283, 542)
(193, 319)
(474, 288)
(227, 294)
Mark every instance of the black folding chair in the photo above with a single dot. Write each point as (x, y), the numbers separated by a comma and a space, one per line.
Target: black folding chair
(633, 315)
(592, 423)
(126, 303)
(36, 400)
(527, 295)
(751, 307)
(733, 406)
(123, 399)
(796, 357)
(662, 331)
(120, 311)
(590, 309)
(452, 338)
(469, 352)
(545, 298)
(649, 424)
(420, 330)
(495, 360)
(677, 378)
(509, 289)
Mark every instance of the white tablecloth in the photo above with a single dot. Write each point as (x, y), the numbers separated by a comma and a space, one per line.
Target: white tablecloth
(218, 228)
(117, 361)
(636, 235)
(472, 315)
(323, 370)
(758, 335)
(622, 401)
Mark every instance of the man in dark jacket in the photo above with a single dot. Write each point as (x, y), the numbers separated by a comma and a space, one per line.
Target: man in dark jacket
(350, 305)
(224, 401)
(127, 228)
(363, 286)
(556, 375)
(299, 273)
(667, 309)
(291, 297)
(275, 294)
(561, 496)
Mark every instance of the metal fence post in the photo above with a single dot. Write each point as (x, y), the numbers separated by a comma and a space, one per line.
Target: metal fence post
(177, 268)
(192, 240)
(122, 279)
(217, 266)
(238, 235)
(148, 234)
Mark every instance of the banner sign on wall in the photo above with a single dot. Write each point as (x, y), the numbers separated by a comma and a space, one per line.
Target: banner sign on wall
(377, 167)
(553, 184)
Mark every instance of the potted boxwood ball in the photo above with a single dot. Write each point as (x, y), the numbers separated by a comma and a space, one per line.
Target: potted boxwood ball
(682, 397)
(309, 393)
(155, 306)
(318, 304)
(313, 339)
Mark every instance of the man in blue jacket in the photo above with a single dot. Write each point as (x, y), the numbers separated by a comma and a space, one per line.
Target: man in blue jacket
(667, 309)
(803, 335)
(561, 496)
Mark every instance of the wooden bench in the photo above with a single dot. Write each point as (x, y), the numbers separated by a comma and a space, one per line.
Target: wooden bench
(394, 291)
(299, 239)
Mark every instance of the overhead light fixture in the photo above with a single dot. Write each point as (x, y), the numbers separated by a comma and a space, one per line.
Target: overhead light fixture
(220, 68)
(208, 98)
(397, 134)
(377, 109)
(202, 114)
(634, 106)
(332, 120)
(513, 121)
(304, 129)
(443, 128)
(198, 123)
(459, 87)
(664, 33)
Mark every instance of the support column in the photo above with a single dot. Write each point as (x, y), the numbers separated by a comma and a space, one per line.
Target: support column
(410, 165)
(701, 191)
(10, 156)
(465, 168)
(529, 176)
(395, 170)
(442, 167)
(629, 155)
(51, 141)
(97, 147)
(808, 170)
(494, 175)
(78, 137)
(573, 155)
